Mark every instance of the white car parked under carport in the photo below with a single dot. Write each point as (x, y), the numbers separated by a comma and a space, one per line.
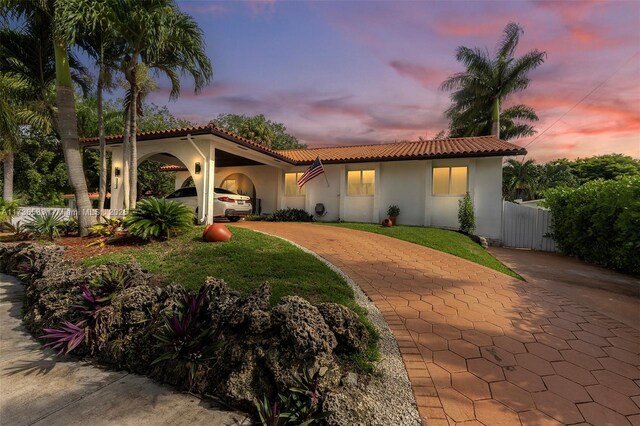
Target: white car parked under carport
(225, 203)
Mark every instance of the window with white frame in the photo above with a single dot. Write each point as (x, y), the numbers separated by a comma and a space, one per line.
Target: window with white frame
(291, 188)
(450, 180)
(361, 182)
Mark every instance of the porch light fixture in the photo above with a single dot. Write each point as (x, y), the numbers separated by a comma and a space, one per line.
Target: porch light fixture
(117, 172)
(198, 168)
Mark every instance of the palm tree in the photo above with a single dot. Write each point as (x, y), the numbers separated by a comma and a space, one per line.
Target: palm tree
(89, 23)
(520, 179)
(27, 59)
(481, 89)
(166, 41)
(10, 89)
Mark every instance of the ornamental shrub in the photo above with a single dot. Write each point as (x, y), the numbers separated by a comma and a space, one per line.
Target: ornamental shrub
(158, 218)
(291, 215)
(46, 225)
(466, 216)
(599, 222)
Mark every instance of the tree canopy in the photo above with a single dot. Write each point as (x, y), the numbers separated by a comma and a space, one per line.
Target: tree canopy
(479, 92)
(258, 129)
(530, 180)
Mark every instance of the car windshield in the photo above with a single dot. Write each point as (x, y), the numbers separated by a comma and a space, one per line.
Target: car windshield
(223, 191)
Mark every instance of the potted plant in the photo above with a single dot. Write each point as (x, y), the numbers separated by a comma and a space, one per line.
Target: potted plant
(393, 212)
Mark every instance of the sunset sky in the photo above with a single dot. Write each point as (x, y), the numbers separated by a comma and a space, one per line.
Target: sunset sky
(368, 71)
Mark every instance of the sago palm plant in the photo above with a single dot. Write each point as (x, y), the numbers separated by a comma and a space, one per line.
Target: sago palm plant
(158, 218)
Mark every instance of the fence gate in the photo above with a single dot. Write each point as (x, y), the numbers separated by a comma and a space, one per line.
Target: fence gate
(526, 227)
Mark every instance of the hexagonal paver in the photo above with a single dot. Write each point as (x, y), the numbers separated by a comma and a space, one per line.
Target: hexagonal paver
(587, 348)
(623, 355)
(470, 386)
(566, 388)
(617, 382)
(581, 359)
(432, 341)
(613, 400)
(574, 373)
(498, 356)
(524, 378)
(509, 344)
(446, 331)
(464, 348)
(449, 361)
(621, 368)
(552, 341)
(477, 337)
(486, 370)
(543, 351)
(557, 407)
(492, 412)
(537, 418)
(512, 396)
(535, 364)
(596, 414)
(456, 405)
(418, 325)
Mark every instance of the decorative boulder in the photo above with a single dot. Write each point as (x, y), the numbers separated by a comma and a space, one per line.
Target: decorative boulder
(351, 334)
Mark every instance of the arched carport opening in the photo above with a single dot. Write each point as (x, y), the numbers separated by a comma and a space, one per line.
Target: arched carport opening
(158, 174)
(243, 185)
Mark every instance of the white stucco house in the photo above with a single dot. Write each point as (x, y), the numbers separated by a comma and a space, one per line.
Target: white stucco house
(424, 178)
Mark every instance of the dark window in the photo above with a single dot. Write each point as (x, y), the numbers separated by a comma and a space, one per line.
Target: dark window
(189, 192)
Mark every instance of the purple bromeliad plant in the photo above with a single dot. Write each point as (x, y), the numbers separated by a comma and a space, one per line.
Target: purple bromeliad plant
(188, 334)
(66, 338)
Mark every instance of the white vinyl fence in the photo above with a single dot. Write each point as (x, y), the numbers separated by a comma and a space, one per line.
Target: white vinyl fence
(526, 227)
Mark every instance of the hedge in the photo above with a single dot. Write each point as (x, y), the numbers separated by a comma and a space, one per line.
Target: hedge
(599, 222)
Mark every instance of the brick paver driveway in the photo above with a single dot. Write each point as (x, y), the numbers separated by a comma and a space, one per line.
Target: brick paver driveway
(481, 347)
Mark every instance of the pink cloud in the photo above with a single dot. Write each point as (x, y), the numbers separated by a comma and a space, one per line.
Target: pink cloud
(429, 77)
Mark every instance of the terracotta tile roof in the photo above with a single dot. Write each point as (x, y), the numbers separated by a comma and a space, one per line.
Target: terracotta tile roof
(479, 146)
(172, 168)
(184, 131)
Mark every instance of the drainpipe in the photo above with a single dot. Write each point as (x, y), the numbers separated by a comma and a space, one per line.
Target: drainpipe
(205, 189)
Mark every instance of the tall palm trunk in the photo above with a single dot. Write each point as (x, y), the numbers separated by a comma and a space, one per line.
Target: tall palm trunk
(7, 189)
(68, 128)
(102, 189)
(126, 157)
(133, 176)
(495, 118)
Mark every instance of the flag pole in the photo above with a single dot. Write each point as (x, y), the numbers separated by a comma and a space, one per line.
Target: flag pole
(325, 174)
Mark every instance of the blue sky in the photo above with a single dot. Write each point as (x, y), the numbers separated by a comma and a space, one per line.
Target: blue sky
(351, 72)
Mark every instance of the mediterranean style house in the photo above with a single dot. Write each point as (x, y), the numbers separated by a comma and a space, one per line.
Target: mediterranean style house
(426, 179)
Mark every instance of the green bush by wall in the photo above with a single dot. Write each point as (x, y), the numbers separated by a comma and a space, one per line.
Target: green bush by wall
(599, 222)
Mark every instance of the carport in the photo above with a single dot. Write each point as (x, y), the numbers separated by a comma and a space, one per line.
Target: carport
(207, 154)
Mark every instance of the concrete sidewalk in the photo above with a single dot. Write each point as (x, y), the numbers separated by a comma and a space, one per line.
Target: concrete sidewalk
(36, 388)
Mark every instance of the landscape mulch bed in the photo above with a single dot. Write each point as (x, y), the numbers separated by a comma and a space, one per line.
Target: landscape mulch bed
(78, 248)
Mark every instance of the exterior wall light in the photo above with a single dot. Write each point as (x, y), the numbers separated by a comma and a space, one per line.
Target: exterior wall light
(117, 171)
(198, 168)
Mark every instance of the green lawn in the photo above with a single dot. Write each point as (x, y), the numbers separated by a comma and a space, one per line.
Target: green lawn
(245, 262)
(440, 239)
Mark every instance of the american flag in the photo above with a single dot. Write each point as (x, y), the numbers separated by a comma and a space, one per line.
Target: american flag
(315, 170)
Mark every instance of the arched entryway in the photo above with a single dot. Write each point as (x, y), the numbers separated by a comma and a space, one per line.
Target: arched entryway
(243, 185)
